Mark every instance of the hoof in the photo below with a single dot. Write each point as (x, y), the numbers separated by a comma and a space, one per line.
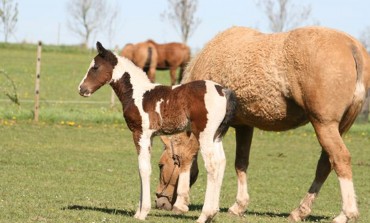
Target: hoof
(180, 209)
(350, 218)
(237, 210)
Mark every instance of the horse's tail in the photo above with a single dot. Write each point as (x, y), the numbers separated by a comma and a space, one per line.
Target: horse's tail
(359, 94)
(231, 103)
(148, 60)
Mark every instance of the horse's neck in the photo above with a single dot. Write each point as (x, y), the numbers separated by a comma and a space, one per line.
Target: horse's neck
(129, 81)
(125, 65)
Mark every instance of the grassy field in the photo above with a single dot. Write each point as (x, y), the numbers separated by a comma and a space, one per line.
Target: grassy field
(78, 164)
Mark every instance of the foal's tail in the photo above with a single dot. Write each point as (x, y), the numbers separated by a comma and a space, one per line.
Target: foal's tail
(359, 94)
(231, 103)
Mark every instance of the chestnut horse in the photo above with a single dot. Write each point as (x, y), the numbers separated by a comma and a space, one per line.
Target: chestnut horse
(203, 107)
(151, 56)
(283, 81)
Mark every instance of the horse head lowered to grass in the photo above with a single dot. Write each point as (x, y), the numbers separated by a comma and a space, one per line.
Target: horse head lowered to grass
(283, 81)
(202, 107)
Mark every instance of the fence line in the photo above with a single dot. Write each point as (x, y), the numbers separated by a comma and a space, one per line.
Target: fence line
(58, 101)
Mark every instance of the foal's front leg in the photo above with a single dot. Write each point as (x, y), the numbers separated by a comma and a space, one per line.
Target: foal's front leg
(143, 145)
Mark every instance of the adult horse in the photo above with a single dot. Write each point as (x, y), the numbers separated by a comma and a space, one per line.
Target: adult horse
(283, 81)
(151, 56)
(152, 109)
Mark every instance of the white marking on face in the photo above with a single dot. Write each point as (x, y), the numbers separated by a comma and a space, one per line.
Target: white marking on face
(92, 63)
(348, 195)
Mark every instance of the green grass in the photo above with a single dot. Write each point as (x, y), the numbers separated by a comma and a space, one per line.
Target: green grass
(66, 172)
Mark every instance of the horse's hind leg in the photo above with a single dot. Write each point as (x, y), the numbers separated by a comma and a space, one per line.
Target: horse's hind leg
(244, 136)
(173, 75)
(214, 162)
(335, 155)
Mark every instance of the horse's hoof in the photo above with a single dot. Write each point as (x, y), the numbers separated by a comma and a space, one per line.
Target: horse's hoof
(294, 217)
(180, 209)
(236, 210)
(350, 218)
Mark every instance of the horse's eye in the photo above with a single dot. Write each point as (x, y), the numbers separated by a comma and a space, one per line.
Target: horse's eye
(95, 67)
(160, 165)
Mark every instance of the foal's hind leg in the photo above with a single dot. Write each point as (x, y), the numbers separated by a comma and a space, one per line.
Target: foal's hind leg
(214, 162)
(244, 136)
(338, 157)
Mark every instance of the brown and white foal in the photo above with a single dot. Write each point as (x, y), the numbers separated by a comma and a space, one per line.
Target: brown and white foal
(202, 107)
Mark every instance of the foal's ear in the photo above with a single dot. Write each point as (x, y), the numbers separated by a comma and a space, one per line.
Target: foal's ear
(100, 48)
(166, 141)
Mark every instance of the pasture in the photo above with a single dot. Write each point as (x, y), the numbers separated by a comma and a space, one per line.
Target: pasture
(79, 164)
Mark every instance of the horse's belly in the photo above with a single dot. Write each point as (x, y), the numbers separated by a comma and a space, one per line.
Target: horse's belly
(271, 114)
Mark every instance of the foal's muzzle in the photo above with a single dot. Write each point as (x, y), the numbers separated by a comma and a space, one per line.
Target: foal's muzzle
(84, 92)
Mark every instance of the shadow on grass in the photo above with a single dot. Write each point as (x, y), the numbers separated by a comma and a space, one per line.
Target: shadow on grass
(311, 218)
(192, 207)
(128, 213)
(104, 210)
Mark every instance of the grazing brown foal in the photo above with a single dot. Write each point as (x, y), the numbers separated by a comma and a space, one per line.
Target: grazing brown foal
(202, 107)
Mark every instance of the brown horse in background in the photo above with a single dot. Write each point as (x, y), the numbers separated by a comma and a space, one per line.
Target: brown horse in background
(151, 56)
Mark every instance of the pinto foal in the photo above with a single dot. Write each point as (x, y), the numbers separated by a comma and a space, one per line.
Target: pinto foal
(203, 107)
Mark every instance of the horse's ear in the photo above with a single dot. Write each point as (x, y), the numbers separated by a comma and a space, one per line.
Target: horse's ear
(166, 141)
(100, 48)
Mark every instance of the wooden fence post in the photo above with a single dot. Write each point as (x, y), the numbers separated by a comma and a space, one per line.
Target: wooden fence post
(37, 82)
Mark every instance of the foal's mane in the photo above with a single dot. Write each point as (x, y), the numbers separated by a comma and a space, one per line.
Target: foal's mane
(125, 65)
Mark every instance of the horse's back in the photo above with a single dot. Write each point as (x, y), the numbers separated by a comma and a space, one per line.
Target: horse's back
(271, 73)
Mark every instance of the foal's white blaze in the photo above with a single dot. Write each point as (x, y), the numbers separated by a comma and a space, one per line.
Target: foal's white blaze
(348, 196)
(92, 63)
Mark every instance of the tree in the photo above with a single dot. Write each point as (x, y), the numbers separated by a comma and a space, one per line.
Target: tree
(88, 16)
(9, 17)
(285, 15)
(181, 14)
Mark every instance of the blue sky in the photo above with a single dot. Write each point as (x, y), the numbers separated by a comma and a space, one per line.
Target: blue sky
(140, 20)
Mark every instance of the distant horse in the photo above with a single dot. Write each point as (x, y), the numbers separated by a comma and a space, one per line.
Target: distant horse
(203, 107)
(282, 81)
(151, 56)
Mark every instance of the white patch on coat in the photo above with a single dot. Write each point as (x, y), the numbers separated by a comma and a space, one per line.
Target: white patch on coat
(140, 84)
(158, 108)
(175, 86)
(348, 196)
(83, 79)
(359, 91)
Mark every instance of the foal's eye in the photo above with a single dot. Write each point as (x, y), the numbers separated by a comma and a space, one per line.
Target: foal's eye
(160, 165)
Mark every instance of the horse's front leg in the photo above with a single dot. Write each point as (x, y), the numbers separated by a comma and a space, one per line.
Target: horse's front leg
(183, 188)
(143, 145)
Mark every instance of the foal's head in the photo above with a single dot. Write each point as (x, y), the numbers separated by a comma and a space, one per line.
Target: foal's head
(100, 71)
